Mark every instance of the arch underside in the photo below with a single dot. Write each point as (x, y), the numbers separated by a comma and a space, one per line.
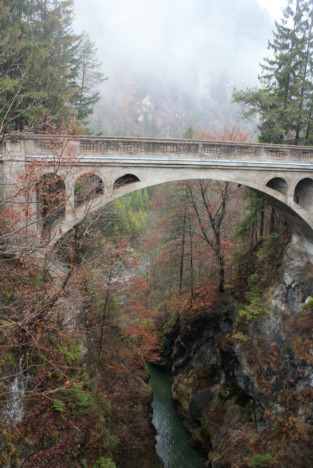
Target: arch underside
(296, 216)
(297, 224)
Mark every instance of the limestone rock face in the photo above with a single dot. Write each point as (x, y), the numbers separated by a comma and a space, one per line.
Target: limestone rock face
(201, 400)
(296, 276)
(229, 391)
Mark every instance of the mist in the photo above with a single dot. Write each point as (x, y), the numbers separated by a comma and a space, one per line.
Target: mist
(171, 63)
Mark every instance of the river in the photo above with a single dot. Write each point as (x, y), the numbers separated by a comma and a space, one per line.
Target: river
(172, 439)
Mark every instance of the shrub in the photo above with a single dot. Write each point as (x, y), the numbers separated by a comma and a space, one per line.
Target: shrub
(58, 405)
(240, 336)
(255, 307)
(81, 401)
(104, 463)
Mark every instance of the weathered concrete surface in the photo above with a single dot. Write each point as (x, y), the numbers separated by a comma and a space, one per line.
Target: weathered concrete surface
(284, 174)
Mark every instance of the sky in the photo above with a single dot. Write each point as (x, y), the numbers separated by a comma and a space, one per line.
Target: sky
(186, 45)
(273, 7)
(173, 37)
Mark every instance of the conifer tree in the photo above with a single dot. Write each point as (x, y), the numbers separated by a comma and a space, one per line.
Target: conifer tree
(283, 102)
(87, 78)
(41, 63)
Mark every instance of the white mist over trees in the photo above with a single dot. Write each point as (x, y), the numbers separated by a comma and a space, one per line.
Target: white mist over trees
(171, 64)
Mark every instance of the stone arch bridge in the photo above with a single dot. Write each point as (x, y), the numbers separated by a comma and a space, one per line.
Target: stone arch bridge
(113, 167)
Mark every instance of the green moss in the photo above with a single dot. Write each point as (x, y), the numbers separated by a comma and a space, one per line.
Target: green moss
(260, 461)
(171, 322)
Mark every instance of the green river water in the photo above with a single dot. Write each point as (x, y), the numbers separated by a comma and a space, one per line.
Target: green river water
(172, 439)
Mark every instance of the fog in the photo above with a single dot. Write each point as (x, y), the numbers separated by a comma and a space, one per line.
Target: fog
(152, 48)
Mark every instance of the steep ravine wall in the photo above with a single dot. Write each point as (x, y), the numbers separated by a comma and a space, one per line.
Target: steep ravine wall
(246, 394)
(62, 404)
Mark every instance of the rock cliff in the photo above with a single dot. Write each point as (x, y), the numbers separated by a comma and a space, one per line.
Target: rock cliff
(243, 384)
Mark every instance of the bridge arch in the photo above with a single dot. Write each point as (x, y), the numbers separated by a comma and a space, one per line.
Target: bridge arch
(86, 187)
(303, 194)
(125, 179)
(279, 184)
(50, 198)
(297, 216)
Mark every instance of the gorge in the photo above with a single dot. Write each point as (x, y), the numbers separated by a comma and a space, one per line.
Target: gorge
(177, 241)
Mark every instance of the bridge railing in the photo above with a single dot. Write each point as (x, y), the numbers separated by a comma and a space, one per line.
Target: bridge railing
(127, 146)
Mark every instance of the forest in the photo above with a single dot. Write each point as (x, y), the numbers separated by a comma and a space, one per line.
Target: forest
(198, 278)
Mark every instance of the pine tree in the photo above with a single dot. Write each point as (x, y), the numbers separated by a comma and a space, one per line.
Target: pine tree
(283, 103)
(87, 78)
(46, 71)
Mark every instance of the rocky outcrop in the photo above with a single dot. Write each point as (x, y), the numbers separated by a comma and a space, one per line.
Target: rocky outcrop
(244, 390)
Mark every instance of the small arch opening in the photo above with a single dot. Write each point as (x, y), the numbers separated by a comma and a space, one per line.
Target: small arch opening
(279, 184)
(125, 179)
(303, 195)
(51, 195)
(87, 187)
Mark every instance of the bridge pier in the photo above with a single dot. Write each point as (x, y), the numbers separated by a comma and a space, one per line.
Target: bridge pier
(70, 197)
(13, 167)
(18, 196)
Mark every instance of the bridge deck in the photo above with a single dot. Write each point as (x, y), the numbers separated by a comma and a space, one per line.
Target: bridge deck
(93, 147)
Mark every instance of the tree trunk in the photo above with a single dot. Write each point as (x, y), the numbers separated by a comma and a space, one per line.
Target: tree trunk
(182, 255)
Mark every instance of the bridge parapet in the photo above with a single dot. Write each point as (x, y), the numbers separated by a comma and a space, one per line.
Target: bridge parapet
(127, 146)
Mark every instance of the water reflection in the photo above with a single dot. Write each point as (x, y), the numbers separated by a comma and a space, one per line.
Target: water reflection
(172, 439)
